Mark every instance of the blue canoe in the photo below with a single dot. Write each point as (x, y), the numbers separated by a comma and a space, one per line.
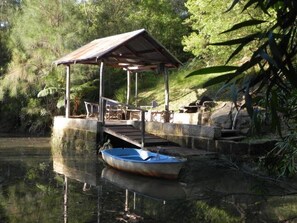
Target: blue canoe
(143, 162)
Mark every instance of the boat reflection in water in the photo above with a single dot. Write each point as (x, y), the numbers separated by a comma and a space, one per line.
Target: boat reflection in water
(160, 189)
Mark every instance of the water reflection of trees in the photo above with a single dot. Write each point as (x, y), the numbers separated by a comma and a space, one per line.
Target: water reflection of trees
(28, 192)
(211, 193)
(32, 192)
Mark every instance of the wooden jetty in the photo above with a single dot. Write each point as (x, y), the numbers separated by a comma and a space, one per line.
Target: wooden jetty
(133, 135)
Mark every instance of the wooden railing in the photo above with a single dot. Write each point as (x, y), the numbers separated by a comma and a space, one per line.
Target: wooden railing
(126, 107)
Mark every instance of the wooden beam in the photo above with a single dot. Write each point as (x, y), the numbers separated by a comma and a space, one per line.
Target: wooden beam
(163, 70)
(101, 92)
(136, 89)
(166, 82)
(162, 50)
(67, 97)
(128, 87)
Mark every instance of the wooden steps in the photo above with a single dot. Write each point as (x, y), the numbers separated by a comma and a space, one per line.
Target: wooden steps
(133, 135)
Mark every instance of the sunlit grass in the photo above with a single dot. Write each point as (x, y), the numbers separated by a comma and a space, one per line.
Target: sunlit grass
(182, 90)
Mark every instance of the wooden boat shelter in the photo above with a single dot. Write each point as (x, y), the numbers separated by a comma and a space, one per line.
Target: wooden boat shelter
(134, 51)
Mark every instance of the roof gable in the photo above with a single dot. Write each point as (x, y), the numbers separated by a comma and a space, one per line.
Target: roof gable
(133, 50)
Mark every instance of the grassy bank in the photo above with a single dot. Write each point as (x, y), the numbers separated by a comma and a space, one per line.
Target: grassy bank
(182, 90)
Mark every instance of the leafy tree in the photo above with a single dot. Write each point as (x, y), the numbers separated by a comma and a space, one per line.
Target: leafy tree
(207, 20)
(40, 33)
(270, 71)
(6, 9)
(5, 54)
(162, 19)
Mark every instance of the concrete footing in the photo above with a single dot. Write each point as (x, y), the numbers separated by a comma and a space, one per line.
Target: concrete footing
(76, 133)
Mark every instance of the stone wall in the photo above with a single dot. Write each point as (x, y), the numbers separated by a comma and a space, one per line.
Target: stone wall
(206, 138)
(186, 135)
(158, 128)
(80, 137)
(78, 134)
(219, 114)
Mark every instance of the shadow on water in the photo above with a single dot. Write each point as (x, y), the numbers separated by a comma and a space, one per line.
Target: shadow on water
(73, 186)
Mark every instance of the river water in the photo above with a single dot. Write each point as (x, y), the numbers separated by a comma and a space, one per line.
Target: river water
(38, 184)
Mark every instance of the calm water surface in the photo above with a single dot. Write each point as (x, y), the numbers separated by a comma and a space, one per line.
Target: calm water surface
(38, 184)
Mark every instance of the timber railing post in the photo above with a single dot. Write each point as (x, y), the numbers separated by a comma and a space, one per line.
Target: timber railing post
(142, 128)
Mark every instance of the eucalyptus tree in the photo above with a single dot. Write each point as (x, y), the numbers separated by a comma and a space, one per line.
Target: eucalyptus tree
(5, 54)
(269, 72)
(6, 10)
(41, 31)
(207, 20)
(163, 19)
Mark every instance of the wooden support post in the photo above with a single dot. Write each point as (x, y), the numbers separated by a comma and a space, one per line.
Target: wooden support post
(142, 128)
(101, 92)
(128, 87)
(136, 89)
(67, 97)
(101, 105)
(166, 82)
(163, 70)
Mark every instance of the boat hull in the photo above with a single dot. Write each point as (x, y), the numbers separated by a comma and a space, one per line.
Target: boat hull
(139, 162)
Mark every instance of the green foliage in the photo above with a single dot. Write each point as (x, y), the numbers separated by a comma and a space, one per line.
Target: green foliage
(270, 69)
(208, 19)
(282, 159)
(121, 95)
(10, 109)
(162, 19)
(216, 69)
(35, 118)
(213, 214)
(41, 32)
(48, 91)
(5, 53)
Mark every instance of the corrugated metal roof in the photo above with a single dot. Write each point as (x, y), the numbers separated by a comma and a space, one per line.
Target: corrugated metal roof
(136, 50)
